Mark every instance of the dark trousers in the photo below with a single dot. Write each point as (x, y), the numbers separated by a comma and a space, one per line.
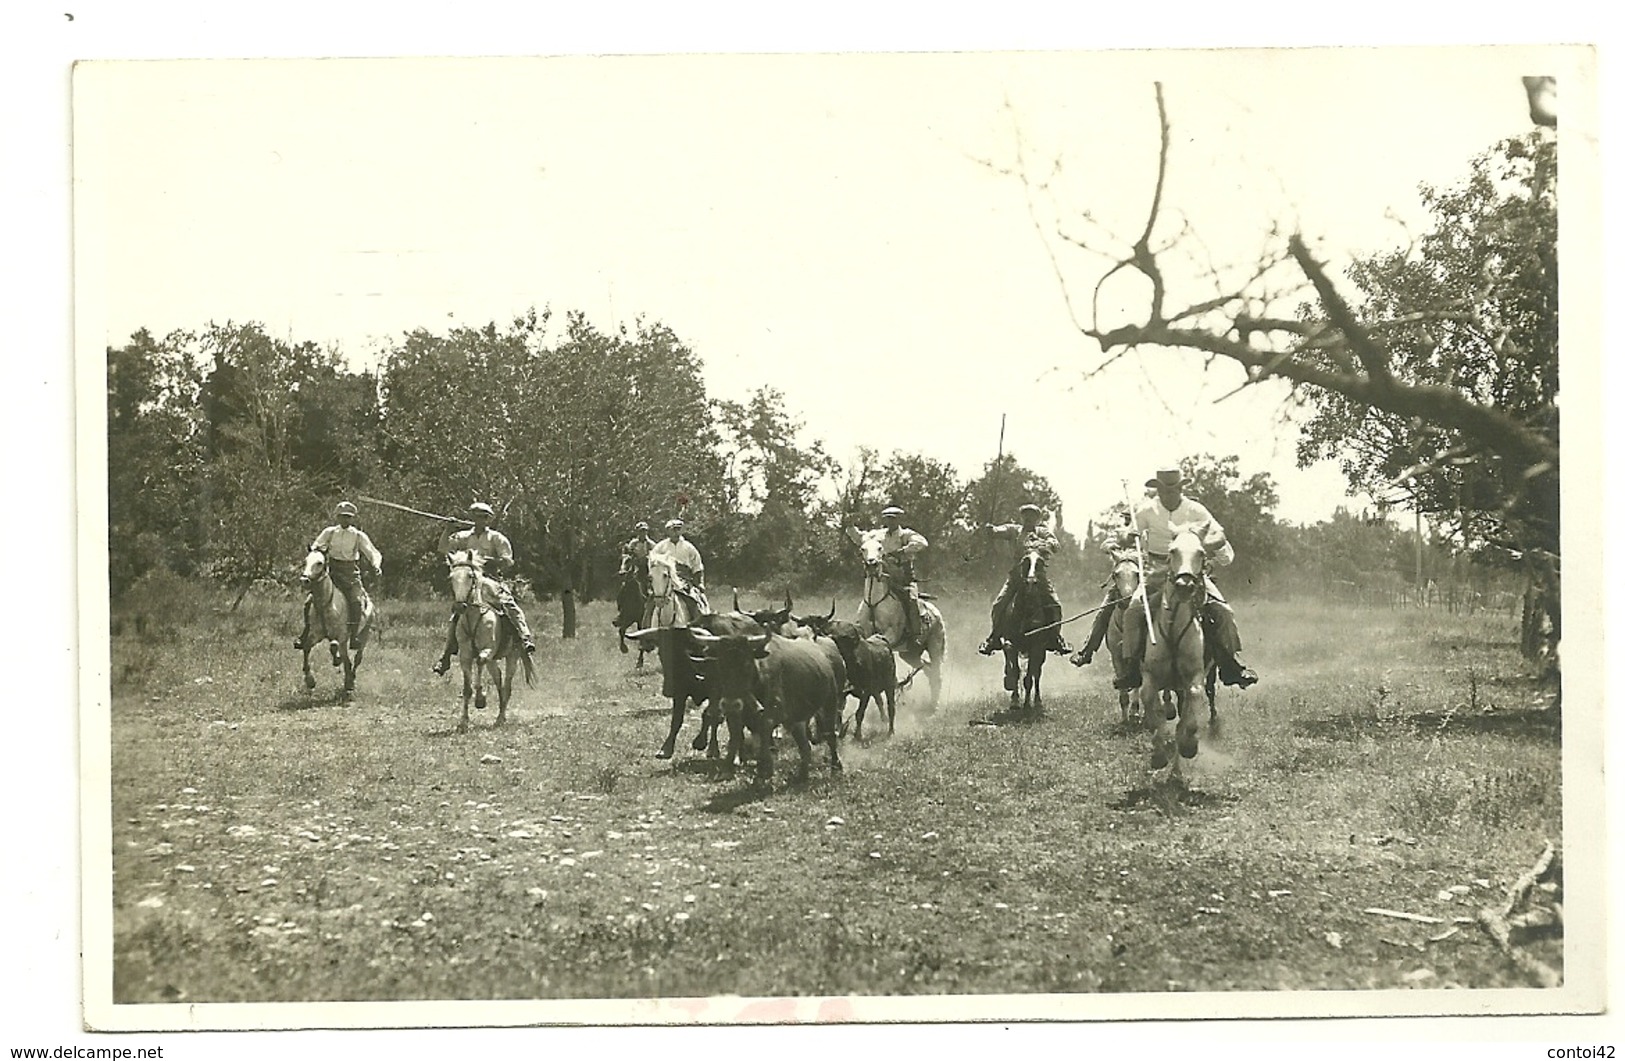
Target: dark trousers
(346, 575)
(1103, 622)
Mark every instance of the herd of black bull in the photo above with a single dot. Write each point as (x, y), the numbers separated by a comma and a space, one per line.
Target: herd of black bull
(769, 669)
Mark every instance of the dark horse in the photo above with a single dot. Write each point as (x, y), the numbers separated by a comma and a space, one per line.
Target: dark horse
(1021, 628)
(630, 601)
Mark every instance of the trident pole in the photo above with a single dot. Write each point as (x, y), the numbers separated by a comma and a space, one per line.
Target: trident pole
(1139, 551)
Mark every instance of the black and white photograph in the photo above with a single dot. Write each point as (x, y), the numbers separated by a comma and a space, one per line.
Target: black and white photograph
(838, 537)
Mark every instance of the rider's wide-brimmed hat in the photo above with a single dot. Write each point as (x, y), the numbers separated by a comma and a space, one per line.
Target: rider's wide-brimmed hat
(482, 508)
(891, 510)
(1029, 507)
(643, 524)
(674, 524)
(344, 509)
(1167, 477)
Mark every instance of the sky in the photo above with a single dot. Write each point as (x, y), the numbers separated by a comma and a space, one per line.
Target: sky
(853, 230)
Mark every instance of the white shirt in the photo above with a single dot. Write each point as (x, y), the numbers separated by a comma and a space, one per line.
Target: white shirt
(681, 551)
(1157, 527)
(892, 540)
(491, 544)
(348, 543)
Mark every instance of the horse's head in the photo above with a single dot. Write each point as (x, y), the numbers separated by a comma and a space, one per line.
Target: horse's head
(1125, 578)
(873, 553)
(1187, 559)
(466, 568)
(662, 574)
(1030, 568)
(315, 568)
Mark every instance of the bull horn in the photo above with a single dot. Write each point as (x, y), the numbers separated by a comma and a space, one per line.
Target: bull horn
(705, 637)
(736, 598)
(756, 639)
(788, 604)
(831, 614)
(635, 634)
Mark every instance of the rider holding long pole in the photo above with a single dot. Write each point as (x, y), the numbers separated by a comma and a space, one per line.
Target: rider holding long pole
(497, 552)
(1155, 524)
(1036, 534)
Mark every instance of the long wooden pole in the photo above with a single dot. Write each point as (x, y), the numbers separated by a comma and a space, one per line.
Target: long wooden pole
(415, 511)
(1139, 550)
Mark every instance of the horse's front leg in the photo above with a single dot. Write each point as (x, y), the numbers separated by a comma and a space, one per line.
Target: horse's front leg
(1162, 730)
(468, 692)
(1187, 733)
(349, 677)
(504, 685)
(481, 663)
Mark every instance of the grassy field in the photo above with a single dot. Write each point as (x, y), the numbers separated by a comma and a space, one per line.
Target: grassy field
(272, 846)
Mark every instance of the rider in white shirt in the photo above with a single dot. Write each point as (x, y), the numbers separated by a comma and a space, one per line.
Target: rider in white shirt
(1156, 522)
(899, 545)
(346, 545)
(497, 553)
(686, 561)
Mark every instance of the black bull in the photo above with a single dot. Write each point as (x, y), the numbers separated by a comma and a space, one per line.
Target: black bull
(686, 672)
(762, 681)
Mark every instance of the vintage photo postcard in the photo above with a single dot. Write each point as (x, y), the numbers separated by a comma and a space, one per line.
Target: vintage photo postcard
(933, 537)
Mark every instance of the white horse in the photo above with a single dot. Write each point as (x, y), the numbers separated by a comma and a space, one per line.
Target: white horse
(1125, 580)
(484, 641)
(881, 611)
(329, 620)
(1174, 662)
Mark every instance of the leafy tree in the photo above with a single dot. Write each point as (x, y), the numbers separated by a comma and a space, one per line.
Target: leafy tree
(153, 458)
(571, 440)
(1473, 308)
(773, 481)
(993, 497)
(254, 500)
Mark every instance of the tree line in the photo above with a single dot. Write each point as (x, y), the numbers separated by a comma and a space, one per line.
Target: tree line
(228, 447)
